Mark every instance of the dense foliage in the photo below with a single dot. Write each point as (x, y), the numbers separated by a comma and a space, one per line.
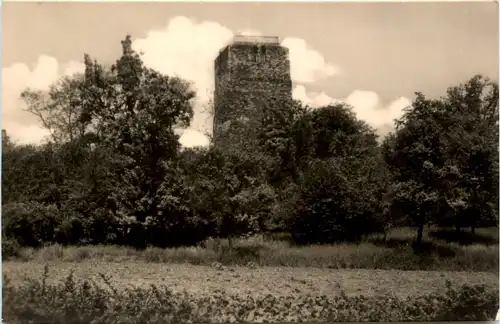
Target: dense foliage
(114, 172)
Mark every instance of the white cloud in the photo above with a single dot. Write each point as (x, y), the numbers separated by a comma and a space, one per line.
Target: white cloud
(312, 99)
(73, 67)
(22, 127)
(185, 48)
(395, 109)
(364, 101)
(366, 104)
(306, 64)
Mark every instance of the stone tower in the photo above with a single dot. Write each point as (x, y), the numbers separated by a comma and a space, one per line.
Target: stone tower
(248, 73)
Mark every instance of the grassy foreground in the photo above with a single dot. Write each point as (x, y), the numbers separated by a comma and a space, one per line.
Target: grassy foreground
(443, 252)
(259, 280)
(72, 301)
(244, 281)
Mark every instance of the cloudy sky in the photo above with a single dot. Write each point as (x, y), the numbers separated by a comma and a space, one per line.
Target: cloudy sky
(373, 56)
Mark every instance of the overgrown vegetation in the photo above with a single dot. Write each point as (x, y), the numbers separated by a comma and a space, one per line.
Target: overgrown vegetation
(90, 302)
(395, 253)
(113, 172)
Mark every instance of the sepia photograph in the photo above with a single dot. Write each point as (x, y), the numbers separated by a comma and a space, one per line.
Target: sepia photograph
(249, 162)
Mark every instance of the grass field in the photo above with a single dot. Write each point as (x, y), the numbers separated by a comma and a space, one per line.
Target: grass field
(260, 279)
(444, 252)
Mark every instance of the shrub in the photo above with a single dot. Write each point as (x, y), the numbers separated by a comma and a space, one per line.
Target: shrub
(10, 249)
(31, 223)
(337, 202)
(72, 229)
(91, 302)
(470, 303)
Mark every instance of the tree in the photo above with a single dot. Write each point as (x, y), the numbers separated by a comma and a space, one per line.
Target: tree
(279, 137)
(229, 191)
(343, 178)
(7, 142)
(129, 113)
(337, 132)
(340, 199)
(444, 155)
(59, 109)
(473, 141)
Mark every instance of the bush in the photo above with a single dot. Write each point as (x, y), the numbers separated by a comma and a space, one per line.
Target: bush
(470, 303)
(31, 223)
(92, 302)
(10, 249)
(337, 202)
(71, 230)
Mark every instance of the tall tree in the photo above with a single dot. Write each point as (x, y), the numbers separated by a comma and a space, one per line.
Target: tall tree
(343, 178)
(129, 112)
(444, 155)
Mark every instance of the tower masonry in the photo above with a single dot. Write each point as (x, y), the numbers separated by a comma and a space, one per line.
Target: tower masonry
(248, 73)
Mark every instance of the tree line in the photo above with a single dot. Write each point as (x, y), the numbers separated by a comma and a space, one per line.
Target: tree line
(113, 171)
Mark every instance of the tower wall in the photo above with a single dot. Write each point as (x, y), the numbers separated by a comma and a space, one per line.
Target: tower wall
(247, 75)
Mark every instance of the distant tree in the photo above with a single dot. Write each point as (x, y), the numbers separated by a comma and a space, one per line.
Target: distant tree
(337, 132)
(7, 142)
(59, 109)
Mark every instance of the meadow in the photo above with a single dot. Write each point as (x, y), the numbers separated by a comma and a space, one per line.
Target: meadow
(443, 251)
(261, 279)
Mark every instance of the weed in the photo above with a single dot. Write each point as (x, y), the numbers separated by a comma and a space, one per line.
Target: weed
(75, 303)
(396, 252)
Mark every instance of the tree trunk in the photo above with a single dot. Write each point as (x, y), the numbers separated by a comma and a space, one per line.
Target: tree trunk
(420, 234)
(457, 229)
(473, 229)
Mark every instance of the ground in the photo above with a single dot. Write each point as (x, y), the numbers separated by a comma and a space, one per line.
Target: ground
(284, 281)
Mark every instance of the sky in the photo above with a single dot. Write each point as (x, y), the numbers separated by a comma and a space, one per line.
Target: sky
(373, 56)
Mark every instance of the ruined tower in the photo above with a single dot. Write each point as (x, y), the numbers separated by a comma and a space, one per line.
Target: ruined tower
(248, 73)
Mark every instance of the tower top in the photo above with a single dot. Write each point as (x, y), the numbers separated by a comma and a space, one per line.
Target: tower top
(240, 39)
(244, 39)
